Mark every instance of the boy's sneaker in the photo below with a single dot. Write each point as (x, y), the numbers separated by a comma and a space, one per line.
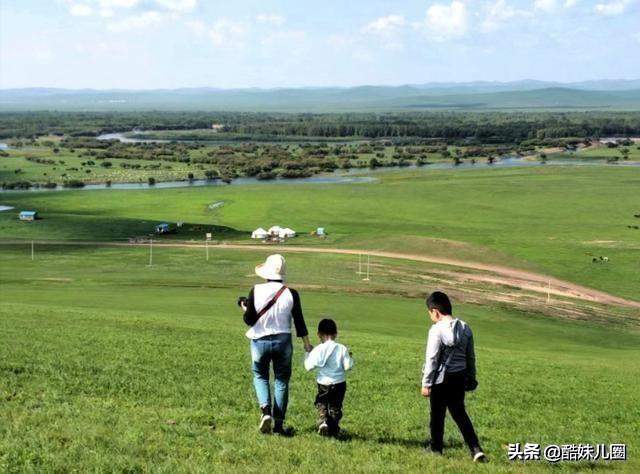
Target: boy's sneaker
(323, 429)
(266, 421)
(479, 456)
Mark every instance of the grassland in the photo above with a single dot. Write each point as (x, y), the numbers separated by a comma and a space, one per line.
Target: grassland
(110, 365)
(107, 364)
(550, 219)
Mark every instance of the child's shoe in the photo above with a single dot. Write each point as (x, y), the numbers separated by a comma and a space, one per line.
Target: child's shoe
(323, 429)
(479, 456)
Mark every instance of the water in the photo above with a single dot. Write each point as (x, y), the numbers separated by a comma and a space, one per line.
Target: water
(122, 138)
(196, 183)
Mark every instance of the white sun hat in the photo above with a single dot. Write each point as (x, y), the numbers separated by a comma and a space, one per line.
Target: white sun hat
(274, 268)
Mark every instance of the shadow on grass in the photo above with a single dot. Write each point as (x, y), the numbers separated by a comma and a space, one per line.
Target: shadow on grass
(92, 226)
(346, 436)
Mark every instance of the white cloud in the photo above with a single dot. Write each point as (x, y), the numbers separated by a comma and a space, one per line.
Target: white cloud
(547, 6)
(447, 21)
(143, 20)
(271, 19)
(613, 8)
(386, 24)
(178, 6)
(388, 30)
(80, 9)
(498, 13)
(550, 6)
(228, 34)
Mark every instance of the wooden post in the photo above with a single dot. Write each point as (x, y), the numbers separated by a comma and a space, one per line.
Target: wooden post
(367, 278)
(549, 293)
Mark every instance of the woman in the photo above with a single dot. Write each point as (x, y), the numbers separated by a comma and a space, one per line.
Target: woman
(269, 309)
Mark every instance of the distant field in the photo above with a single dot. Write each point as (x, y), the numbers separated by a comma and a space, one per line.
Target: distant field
(551, 219)
(107, 364)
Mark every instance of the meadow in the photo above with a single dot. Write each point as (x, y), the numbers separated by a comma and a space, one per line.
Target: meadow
(110, 365)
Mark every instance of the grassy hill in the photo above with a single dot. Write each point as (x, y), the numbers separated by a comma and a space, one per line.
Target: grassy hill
(108, 364)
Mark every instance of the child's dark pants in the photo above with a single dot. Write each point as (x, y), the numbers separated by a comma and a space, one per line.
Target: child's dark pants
(450, 394)
(329, 404)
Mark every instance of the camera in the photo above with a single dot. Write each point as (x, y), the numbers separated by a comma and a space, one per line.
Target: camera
(242, 300)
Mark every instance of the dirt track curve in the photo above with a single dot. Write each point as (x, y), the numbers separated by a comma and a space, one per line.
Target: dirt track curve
(522, 279)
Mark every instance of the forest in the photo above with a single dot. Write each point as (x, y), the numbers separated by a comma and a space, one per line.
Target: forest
(481, 128)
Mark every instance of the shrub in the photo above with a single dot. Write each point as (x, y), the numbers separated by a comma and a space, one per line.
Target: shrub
(73, 183)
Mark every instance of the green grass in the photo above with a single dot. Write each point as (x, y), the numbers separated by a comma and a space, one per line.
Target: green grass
(603, 153)
(98, 352)
(73, 169)
(551, 219)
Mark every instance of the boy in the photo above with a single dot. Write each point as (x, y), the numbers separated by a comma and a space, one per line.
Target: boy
(332, 361)
(449, 370)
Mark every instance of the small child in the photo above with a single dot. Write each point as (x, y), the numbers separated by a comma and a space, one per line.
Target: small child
(332, 361)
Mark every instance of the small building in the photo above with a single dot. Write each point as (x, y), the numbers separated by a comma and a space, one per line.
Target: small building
(320, 232)
(28, 215)
(259, 233)
(163, 228)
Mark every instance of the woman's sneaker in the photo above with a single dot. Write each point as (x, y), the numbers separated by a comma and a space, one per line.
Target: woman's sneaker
(266, 421)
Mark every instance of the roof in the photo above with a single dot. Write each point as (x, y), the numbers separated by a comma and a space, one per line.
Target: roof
(28, 213)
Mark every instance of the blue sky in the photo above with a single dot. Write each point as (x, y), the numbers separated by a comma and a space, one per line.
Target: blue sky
(190, 43)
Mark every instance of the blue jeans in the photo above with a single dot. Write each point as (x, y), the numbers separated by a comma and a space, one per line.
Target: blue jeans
(278, 349)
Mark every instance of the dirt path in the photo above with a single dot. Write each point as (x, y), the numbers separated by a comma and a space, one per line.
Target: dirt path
(521, 279)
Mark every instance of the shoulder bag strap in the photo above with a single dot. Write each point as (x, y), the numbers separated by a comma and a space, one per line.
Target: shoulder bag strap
(273, 300)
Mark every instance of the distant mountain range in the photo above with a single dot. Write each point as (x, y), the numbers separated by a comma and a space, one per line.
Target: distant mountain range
(519, 95)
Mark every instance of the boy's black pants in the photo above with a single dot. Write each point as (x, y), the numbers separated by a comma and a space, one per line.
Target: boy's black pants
(450, 394)
(329, 404)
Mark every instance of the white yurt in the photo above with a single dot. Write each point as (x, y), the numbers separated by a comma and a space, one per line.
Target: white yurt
(287, 233)
(259, 233)
(275, 230)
